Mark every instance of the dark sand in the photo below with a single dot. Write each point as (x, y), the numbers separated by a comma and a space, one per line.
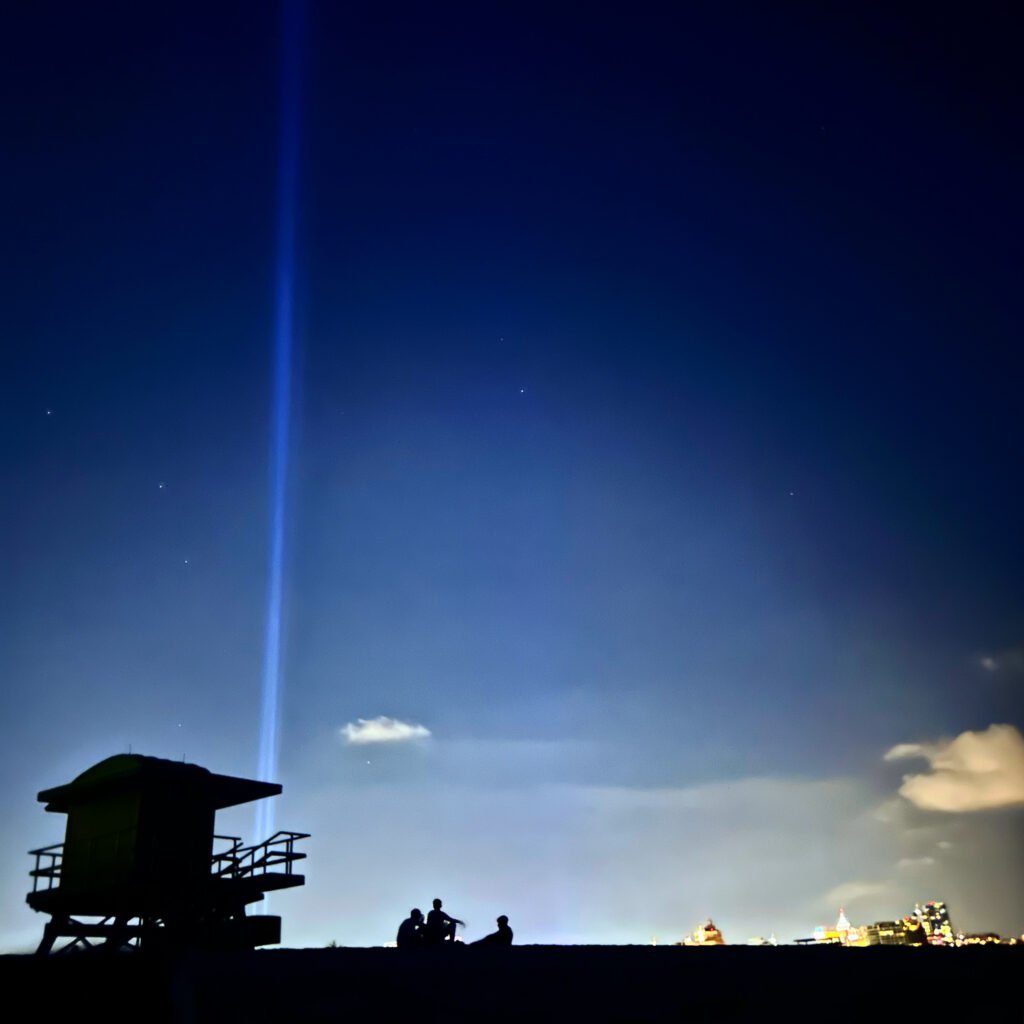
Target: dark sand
(525, 983)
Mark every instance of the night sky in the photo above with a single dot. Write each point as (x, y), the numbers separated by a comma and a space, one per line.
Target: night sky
(655, 454)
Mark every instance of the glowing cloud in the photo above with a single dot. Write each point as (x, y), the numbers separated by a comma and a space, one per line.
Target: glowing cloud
(975, 771)
(913, 863)
(905, 750)
(383, 730)
(848, 892)
(1010, 661)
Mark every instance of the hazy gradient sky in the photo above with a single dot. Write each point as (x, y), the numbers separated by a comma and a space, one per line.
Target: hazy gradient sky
(656, 447)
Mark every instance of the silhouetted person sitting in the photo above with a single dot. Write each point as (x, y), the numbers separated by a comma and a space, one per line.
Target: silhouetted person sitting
(502, 937)
(440, 927)
(411, 931)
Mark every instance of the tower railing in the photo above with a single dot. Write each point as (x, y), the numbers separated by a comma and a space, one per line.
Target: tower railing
(225, 862)
(276, 854)
(49, 860)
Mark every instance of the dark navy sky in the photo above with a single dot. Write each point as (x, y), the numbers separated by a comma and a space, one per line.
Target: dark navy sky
(656, 446)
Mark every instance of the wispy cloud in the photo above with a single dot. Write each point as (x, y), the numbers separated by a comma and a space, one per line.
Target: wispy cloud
(1009, 661)
(891, 812)
(850, 892)
(383, 730)
(905, 750)
(974, 771)
(914, 863)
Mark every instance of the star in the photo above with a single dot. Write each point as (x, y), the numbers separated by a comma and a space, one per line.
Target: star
(49, 412)
(522, 391)
(160, 487)
(186, 561)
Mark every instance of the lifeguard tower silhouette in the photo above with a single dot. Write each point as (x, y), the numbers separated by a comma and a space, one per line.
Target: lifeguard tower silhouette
(138, 855)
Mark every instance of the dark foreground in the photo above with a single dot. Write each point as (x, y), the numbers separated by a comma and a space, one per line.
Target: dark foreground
(525, 984)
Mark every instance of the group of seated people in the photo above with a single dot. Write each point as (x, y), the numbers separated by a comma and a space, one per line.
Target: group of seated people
(438, 929)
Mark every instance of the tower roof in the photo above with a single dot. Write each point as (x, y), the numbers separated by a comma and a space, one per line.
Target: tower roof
(127, 772)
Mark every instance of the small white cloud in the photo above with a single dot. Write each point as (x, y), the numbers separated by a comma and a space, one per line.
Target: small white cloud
(975, 771)
(848, 892)
(904, 750)
(944, 844)
(1009, 661)
(383, 730)
(913, 863)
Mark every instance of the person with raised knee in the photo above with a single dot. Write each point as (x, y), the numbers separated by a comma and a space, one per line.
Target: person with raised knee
(502, 937)
(440, 927)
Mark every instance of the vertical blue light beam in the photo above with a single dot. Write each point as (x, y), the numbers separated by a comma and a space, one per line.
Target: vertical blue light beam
(284, 329)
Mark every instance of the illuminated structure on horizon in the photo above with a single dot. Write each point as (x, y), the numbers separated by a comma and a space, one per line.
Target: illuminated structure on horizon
(705, 935)
(934, 918)
(843, 933)
(927, 925)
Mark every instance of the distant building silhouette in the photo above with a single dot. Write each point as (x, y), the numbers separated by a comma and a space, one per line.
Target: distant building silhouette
(844, 933)
(927, 925)
(705, 935)
(887, 933)
(138, 855)
(934, 918)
